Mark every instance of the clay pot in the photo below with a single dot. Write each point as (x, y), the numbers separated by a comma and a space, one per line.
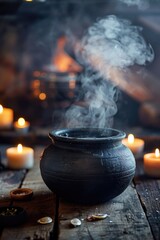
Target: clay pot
(87, 165)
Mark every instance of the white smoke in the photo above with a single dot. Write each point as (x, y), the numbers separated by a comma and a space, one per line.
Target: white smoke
(117, 43)
(110, 43)
(98, 108)
(141, 4)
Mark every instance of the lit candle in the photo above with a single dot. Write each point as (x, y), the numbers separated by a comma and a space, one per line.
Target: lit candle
(20, 157)
(152, 163)
(6, 117)
(21, 125)
(136, 145)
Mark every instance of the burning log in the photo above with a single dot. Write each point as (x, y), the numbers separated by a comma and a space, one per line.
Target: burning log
(62, 61)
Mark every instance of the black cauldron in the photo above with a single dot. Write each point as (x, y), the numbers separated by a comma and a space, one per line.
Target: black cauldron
(87, 165)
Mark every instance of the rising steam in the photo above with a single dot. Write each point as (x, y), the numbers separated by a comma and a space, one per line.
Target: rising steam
(99, 107)
(141, 4)
(117, 43)
(110, 43)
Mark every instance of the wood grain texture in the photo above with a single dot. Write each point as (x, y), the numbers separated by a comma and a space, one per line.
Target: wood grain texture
(41, 205)
(149, 193)
(126, 218)
(9, 179)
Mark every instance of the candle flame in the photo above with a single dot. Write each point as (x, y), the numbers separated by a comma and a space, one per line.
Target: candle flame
(19, 148)
(157, 153)
(21, 121)
(1, 108)
(131, 138)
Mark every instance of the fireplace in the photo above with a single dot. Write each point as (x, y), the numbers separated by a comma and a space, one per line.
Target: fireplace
(41, 69)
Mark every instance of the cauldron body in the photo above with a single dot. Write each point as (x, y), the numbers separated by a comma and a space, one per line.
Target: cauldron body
(87, 165)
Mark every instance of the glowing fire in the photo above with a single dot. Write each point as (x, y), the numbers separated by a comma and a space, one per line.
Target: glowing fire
(62, 61)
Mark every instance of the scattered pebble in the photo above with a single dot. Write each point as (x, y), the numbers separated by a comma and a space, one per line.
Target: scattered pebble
(75, 222)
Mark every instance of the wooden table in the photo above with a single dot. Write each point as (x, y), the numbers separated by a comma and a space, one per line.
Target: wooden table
(135, 214)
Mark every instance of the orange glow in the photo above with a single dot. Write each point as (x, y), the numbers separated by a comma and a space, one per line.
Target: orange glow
(42, 96)
(36, 83)
(157, 153)
(36, 87)
(62, 61)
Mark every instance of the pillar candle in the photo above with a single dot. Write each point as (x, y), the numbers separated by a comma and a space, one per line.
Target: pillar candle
(20, 157)
(152, 163)
(136, 145)
(6, 117)
(21, 126)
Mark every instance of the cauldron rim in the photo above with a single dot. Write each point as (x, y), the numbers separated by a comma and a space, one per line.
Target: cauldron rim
(62, 134)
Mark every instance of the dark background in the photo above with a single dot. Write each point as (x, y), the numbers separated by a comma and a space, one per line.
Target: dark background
(28, 39)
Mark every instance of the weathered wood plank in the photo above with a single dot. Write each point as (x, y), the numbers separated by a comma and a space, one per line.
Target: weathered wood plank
(41, 205)
(126, 220)
(149, 192)
(9, 179)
